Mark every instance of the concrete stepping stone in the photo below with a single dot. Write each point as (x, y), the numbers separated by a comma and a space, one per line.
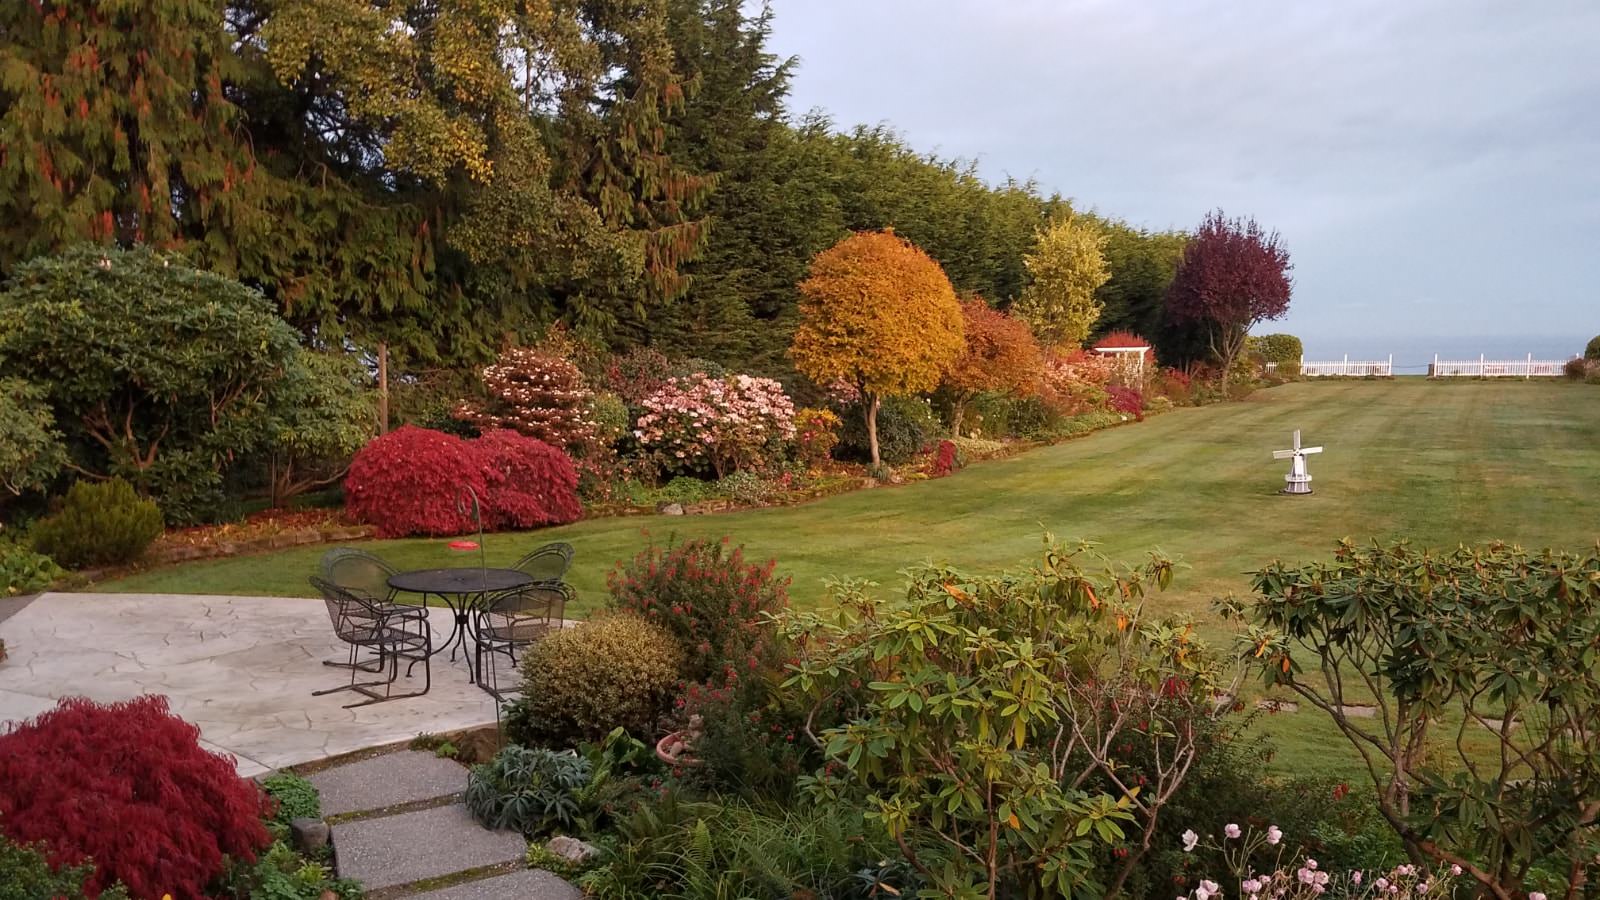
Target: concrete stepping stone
(410, 776)
(527, 884)
(415, 846)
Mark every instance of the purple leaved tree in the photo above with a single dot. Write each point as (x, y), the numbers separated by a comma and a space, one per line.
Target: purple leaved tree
(1234, 274)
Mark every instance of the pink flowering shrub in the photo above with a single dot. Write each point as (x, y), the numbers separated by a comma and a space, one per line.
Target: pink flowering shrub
(729, 424)
(1304, 879)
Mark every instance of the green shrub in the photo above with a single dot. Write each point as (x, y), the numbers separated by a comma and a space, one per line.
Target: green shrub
(22, 571)
(30, 447)
(157, 372)
(1577, 369)
(905, 425)
(610, 416)
(1593, 350)
(1030, 418)
(1284, 349)
(25, 874)
(616, 671)
(527, 789)
(101, 523)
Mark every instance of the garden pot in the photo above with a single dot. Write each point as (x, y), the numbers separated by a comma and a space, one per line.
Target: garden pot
(674, 750)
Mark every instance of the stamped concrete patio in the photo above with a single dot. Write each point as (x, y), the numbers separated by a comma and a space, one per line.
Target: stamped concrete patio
(241, 668)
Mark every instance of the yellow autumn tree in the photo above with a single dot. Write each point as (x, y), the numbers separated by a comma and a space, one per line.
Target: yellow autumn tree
(879, 314)
(1065, 268)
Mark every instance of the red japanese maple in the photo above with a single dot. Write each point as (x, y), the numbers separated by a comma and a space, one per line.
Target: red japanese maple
(128, 786)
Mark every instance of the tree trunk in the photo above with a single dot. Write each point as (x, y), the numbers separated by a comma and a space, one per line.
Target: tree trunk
(871, 407)
(958, 412)
(383, 387)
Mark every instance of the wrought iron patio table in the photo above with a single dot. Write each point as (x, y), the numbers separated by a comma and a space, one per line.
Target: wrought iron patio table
(463, 589)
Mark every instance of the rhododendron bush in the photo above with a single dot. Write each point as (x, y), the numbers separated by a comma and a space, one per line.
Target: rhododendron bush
(128, 785)
(412, 481)
(728, 424)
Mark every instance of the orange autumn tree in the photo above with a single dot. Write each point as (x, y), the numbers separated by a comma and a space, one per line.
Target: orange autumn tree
(879, 314)
(1002, 355)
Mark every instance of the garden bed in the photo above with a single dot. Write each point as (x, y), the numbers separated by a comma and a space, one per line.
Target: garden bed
(272, 529)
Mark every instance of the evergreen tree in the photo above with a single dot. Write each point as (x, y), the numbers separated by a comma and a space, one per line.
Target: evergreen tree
(115, 126)
(612, 146)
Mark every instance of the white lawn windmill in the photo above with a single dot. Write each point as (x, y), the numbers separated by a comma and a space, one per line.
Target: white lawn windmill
(1299, 480)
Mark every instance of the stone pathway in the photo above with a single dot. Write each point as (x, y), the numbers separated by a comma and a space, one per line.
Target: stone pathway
(399, 826)
(241, 668)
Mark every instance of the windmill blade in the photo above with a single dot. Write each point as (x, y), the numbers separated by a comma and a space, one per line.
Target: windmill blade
(1283, 454)
(1311, 450)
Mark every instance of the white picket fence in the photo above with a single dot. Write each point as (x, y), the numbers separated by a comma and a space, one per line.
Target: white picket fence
(1347, 367)
(1482, 367)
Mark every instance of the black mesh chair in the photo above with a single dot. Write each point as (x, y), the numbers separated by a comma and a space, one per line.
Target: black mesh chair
(394, 632)
(512, 621)
(358, 572)
(548, 564)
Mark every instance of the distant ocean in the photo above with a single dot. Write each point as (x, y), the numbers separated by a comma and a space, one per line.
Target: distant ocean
(1412, 356)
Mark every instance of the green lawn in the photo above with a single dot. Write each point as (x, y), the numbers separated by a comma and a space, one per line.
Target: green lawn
(1440, 463)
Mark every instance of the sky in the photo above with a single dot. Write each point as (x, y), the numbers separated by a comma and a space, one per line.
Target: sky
(1433, 165)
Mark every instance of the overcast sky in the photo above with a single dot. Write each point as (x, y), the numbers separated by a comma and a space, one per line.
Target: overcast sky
(1434, 167)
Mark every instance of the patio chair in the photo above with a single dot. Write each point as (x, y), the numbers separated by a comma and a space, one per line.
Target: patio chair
(514, 620)
(548, 564)
(364, 574)
(359, 572)
(393, 632)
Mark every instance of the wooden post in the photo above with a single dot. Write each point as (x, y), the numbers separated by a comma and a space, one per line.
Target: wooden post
(1390, 373)
(1528, 372)
(1483, 371)
(383, 387)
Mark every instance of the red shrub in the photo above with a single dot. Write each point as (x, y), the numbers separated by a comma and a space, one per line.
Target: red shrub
(711, 600)
(405, 482)
(127, 785)
(530, 483)
(946, 460)
(1126, 400)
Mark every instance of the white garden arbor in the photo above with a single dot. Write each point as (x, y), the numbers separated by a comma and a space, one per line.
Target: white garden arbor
(1130, 357)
